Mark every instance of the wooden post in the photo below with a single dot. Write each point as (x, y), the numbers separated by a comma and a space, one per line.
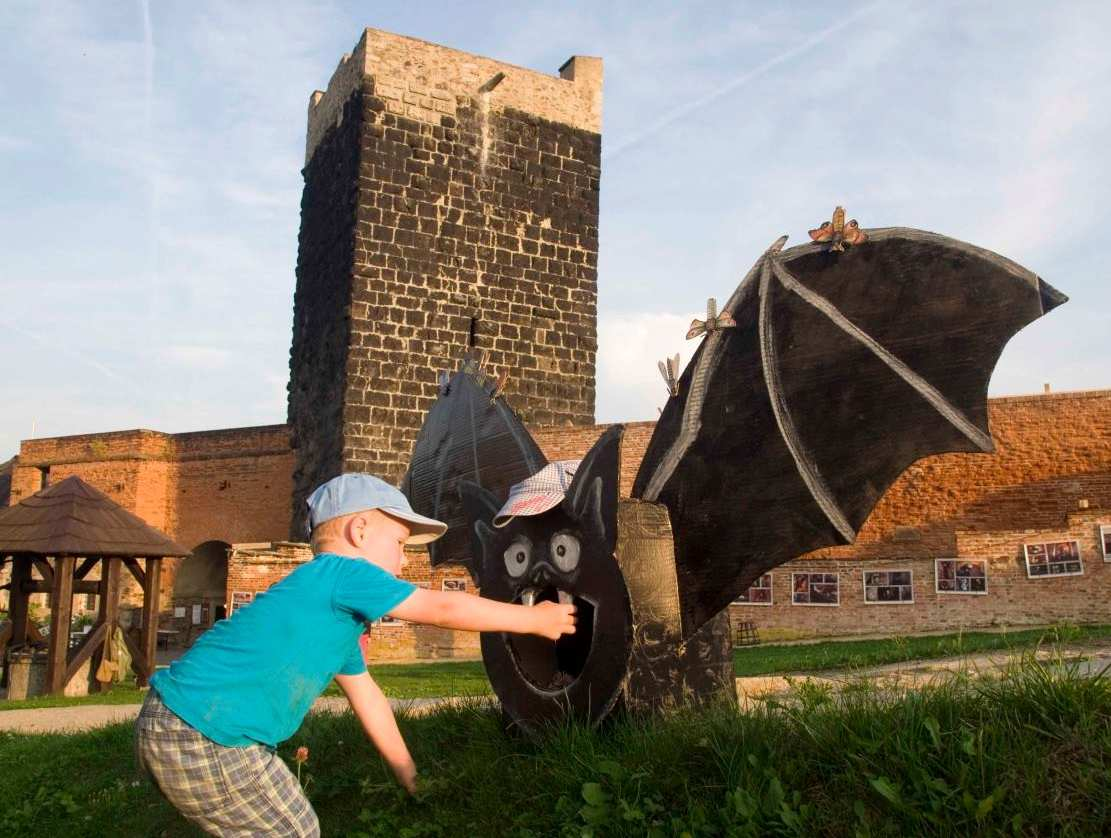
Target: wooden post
(149, 641)
(58, 651)
(109, 611)
(19, 599)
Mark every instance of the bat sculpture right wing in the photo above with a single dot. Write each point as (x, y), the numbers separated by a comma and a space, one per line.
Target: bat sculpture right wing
(836, 372)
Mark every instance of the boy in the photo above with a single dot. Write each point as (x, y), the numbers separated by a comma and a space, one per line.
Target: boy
(209, 726)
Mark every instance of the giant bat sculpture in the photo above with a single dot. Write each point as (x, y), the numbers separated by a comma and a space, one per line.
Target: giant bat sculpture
(827, 373)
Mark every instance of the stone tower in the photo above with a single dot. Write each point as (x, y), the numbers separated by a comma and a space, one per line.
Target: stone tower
(450, 201)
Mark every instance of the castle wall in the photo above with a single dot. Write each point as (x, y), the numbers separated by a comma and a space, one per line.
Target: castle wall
(227, 485)
(451, 201)
(1053, 454)
(252, 568)
(1011, 598)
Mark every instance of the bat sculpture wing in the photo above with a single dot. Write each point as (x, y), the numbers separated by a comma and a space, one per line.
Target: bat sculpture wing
(844, 367)
(470, 434)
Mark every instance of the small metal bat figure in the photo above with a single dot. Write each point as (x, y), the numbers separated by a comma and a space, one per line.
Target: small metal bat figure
(499, 387)
(713, 321)
(838, 233)
(474, 363)
(670, 373)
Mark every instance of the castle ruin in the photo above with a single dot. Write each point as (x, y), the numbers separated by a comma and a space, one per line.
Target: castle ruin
(450, 203)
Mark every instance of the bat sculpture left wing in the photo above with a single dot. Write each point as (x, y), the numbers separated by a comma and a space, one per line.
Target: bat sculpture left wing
(842, 369)
(470, 434)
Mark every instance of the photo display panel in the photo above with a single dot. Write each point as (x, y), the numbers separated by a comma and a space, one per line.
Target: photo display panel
(888, 586)
(815, 589)
(1053, 558)
(961, 576)
(758, 593)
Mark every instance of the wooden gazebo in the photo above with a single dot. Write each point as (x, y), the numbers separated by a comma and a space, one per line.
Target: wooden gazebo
(64, 532)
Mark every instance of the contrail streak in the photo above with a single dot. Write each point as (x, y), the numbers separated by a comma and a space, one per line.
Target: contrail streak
(59, 347)
(148, 114)
(739, 81)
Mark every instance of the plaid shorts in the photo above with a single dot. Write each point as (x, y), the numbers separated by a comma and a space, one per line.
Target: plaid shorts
(226, 791)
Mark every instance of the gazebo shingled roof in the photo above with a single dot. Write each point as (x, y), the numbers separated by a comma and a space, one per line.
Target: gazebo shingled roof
(71, 518)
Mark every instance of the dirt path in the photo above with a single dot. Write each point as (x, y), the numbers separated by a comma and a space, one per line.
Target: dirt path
(87, 716)
(1089, 660)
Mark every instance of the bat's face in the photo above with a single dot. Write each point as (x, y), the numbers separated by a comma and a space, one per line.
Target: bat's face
(564, 555)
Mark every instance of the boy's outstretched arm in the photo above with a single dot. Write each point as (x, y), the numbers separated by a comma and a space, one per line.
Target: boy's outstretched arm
(373, 709)
(458, 610)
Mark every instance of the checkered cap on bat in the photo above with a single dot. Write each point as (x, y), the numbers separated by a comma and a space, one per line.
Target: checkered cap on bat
(537, 494)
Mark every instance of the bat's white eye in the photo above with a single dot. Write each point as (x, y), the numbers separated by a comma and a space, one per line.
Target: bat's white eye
(565, 551)
(517, 556)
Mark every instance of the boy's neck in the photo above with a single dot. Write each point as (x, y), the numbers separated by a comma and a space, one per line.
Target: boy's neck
(345, 551)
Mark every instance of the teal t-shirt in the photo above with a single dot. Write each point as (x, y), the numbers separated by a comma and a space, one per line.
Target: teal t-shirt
(252, 678)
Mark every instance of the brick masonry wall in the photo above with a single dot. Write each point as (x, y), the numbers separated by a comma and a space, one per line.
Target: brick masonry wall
(318, 365)
(228, 485)
(255, 567)
(561, 443)
(6, 481)
(475, 224)
(1052, 452)
(1012, 598)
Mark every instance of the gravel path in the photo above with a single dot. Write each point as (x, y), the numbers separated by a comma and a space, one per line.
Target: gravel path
(1089, 659)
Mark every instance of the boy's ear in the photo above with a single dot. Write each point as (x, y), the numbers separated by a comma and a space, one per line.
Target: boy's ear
(354, 529)
(595, 487)
(479, 508)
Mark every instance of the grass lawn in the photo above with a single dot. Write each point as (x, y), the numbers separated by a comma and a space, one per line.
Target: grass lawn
(397, 680)
(1029, 754)
(462, 678)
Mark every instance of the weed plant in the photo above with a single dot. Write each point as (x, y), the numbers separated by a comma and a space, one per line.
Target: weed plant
(1027, 753)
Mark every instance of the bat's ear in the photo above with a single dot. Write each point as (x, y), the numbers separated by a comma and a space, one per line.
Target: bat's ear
(479, 507)
(594, 489)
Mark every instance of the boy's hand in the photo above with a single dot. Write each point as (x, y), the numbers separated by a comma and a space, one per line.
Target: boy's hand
(406, 774)
(552, 619)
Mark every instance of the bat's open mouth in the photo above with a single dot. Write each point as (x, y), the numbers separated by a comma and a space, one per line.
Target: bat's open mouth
(553, 666)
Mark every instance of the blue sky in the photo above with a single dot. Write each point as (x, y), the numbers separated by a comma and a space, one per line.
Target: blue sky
(150, 157)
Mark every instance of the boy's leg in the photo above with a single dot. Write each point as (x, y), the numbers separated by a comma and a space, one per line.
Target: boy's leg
(226, 791)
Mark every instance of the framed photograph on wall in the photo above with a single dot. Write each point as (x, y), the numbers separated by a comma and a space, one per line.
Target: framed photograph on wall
(888, 587)
(1105, 541)
(815, 589)
(239, 599)
(961, 576)
(1053, 558)
(459, 584)
(758, 593)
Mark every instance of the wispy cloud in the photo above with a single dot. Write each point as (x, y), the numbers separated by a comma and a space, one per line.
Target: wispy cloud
(739, 81)
(629, 345)
(12, 143)
(58, 346)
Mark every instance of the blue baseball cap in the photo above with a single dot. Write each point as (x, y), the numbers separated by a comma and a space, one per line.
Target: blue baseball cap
(350, 493)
